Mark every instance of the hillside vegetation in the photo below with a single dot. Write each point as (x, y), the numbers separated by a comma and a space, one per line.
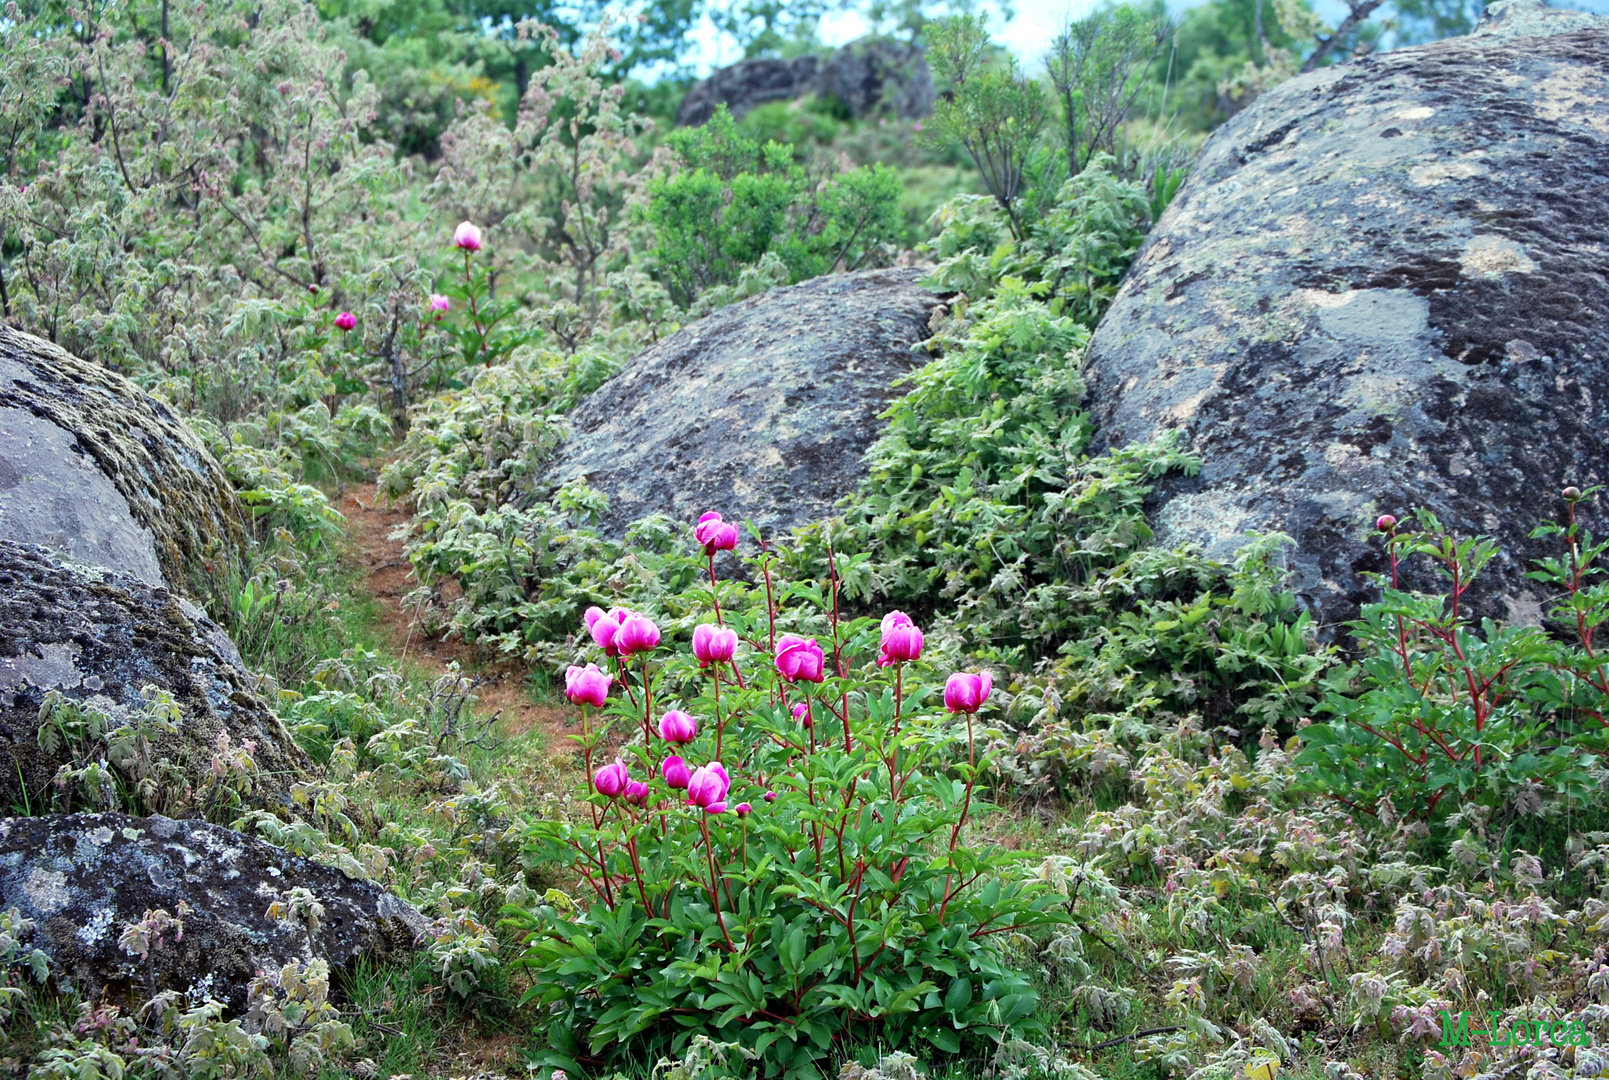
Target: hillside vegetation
(970, 780)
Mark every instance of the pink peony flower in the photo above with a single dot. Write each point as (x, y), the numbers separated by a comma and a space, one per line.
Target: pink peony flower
(611, 780)
(587, 685)
(677, 727)
(636, 634)
(743, 809)
(707, 788)
(801, 713)
(715, 534)
(466, 236)
(346, 320)
(676, 772)
(901, 640)
(713, 644)
(799, 659)
(603, 630)
(636, 792)
(965, 692)
(1386, 523)
(440, 303)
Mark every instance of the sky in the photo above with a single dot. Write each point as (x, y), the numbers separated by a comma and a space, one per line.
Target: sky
(1028, 34)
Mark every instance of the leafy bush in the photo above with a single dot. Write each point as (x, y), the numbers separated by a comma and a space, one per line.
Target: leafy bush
(1446, 711)
(735, 201)
(825, 890)
(991, 109)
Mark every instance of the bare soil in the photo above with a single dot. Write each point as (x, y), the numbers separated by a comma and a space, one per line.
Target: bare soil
(370, 524)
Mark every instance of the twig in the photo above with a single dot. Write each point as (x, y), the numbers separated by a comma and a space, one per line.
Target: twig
(1135, 1035)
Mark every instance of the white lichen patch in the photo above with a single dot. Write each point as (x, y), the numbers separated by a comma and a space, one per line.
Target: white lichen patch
(46, 890)
(1576, 95)
(1442, 171)
(1494, 256)
(99, 924)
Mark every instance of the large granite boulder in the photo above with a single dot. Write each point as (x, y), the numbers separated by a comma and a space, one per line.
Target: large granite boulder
(1385, 286)
(761, 410)
(82, 879)
(869, 77)
(99, 638)
(95, 468)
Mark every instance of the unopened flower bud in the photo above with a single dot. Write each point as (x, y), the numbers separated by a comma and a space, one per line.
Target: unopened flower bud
(1386, 523)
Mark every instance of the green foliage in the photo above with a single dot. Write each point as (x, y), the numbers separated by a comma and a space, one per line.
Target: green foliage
(851, 904)
(734, 201)
(1099, 66)
(992, 110)
(1446, 711)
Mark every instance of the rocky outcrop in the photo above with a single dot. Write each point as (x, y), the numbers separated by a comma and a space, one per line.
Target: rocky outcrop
(746, 85)
(100, 638)
(869, 77)
(1385, 286)
(761, 410)
(82, 879)
(94, 468)
(879, 75)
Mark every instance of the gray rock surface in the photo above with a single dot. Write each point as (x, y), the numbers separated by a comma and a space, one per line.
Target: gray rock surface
(870, 76)
(761, 410)
(1385, 286)
(746, 84)
(876, 75)
(100, 638)
(82, 878)
(93, 467)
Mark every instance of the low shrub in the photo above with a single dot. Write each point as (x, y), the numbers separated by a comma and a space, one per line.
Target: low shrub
(1446, 710)
(735, 201)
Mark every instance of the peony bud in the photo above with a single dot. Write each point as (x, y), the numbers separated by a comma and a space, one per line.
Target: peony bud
(707, 788)
(901, 640)
(965, 692)
(1571, 494)
(770, 796)
(713, 644)
(313, 289)
(743, 809)
(676, 772)
(636, 793)
(587, 685)
(799, 659)
(637, 634)
(603, 630)
(346, 320)
(611, 780)
(715, 534)
(801, 713)
(466, 236)
(1386, 523)
(677, 727)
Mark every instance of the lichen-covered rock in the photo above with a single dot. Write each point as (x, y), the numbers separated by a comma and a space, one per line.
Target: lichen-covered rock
(84, 878)
(761, 410)
(1385, 286)
(95, 468)
(879, 75)
(99, 637)
(747, 84)
(872, 76)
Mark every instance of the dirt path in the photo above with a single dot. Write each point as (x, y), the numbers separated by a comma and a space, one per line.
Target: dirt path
(370, 523)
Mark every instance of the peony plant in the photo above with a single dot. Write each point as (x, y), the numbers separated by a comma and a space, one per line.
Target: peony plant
(777, 856)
